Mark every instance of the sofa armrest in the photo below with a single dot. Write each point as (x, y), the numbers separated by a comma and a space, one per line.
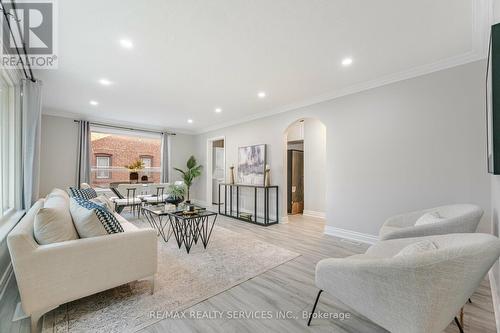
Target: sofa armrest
(57, 273)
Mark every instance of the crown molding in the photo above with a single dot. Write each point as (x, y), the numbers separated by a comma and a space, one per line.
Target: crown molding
(382, 81)
(47, 111)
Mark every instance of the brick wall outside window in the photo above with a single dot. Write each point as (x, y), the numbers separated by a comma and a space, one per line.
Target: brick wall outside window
(124, 150)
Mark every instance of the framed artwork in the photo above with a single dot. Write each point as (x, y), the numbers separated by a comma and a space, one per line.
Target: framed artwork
(251, 164)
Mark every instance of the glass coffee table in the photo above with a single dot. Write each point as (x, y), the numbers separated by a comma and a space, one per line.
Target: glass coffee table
(187, 226)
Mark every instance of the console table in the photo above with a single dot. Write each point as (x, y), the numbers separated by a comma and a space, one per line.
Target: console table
(226, 209)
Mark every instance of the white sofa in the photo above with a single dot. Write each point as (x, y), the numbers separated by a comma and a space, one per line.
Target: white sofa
(53, 274)
(458, 218)
(416, 292)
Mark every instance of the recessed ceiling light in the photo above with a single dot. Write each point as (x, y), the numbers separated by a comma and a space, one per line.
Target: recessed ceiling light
(346, 61)
(94, 103)
(126, 43)
(261, 94)
(105, 82)
(190, 121)
(218, 110)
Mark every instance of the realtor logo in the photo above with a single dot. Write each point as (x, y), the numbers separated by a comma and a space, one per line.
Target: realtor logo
(31, 22)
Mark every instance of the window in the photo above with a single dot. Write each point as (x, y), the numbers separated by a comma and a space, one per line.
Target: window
(112, 150)
(103, 163)
(9, 147)
(147, 161)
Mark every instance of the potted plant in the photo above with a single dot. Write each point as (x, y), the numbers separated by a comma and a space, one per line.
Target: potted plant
(193, 170)
(176, 194)
(134, 169)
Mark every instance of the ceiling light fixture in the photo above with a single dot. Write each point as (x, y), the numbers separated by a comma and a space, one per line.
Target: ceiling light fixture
(105, 82)
(218, 110)
(190, 121)
(126, 43)
(261, 94)
(346, 61)
(94, 103)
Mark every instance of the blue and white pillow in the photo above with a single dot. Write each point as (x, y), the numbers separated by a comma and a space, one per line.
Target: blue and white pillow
(84, 193)
(93, 220)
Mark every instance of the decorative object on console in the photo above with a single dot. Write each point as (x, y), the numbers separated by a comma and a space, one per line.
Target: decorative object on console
(231, 174)
(251, 164)
(134, 169)
(267, 177)
(193, 170)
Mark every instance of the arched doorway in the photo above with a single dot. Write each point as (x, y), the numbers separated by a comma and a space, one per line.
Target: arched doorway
(305, 168)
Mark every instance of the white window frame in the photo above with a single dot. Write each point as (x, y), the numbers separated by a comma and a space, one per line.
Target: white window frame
(102, 174)
(10, 148)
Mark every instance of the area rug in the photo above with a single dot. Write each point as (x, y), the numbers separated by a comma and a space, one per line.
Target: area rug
(182, 281)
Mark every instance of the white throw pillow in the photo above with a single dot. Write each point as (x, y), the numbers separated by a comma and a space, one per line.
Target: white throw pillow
(59, 192)
(85, 186)
(418, 247)
(104, 201)
(86, 222)
(429, 218)
(53, 223)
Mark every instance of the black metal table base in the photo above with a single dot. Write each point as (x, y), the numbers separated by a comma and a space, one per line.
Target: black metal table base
(186, 230)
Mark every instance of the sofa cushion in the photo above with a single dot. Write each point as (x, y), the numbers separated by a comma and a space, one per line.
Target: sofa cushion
(60, 193)
(104, 201)
(429, 218)
(418, 247)
(53, 223)
(93, 220)
(84, 193)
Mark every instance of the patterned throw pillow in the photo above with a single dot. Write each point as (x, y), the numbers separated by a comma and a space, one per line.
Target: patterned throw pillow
(107, 219)
(84, 193)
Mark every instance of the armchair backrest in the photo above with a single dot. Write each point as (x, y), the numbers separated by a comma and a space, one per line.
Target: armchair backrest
(457, 218)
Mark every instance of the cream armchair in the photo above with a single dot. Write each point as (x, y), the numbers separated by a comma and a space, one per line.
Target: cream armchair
(53, 274)
(412, 293)
(459, 218)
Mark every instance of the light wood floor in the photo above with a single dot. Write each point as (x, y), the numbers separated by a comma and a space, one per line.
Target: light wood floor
(288, 287)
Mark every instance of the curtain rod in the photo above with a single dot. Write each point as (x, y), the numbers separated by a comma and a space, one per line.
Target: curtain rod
(6, 15)
(126, 128)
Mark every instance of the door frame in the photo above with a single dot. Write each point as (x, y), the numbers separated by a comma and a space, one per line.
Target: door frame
(209, 168)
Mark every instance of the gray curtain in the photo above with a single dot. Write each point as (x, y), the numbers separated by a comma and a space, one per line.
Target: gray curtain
(83, 163)
(165, 160)
(31, 115)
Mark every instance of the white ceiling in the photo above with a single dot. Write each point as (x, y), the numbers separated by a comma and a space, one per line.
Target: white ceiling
(193, 56)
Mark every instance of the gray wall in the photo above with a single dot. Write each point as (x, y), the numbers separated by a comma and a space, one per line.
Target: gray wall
(413, 144)
(181, 146)
(58, 153)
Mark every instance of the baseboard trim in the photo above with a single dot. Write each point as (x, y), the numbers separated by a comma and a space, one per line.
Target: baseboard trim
(351, 235)
(494, 296)
(314, 214)
(5, 280)
(283, 219)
